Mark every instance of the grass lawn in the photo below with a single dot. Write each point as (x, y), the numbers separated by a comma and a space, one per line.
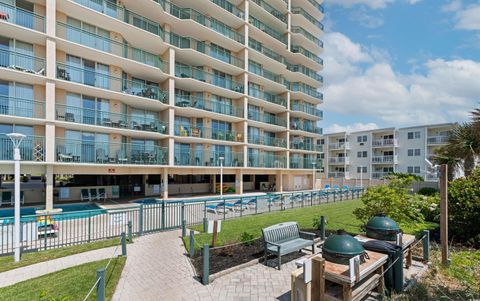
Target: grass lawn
(7, 263)
(339, 216)
(71, 284)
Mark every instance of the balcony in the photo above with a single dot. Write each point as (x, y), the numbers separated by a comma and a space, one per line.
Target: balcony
(306, 34)
(266, 140)
(199, 74)
(122, 14)
(384, 159)
(191, 43)
(109, 119)
(202, 157)
(339, 160)
(339, 174)
(32, 148)
(21, 107)
(307, 109)
(202, 103)
(230, 7)
(21, 17)
(305, 70)
(267, 118)
(267, 160)
(271, 10)
(22, 62)
(96, 152)
(255, 45)
(265, 73)
(437, 139)
(268, 30)
(77, 35)
(307, 54)
(304, 88)
(111, 83)
(301, 11)
(339, 145)
(305, 126)
(303, 163)
(319, 7)
(254, 92)
(380, 175)
(207, 133)
(300, 145)
(384, 142)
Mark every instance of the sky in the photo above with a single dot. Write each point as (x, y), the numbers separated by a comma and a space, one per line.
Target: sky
(398, 63)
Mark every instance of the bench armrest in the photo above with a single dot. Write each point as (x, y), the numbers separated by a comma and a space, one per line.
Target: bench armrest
(273, 244)
(309, 234)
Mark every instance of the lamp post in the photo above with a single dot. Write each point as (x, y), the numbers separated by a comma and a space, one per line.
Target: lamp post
(16, 140)
(314, 175)
(361, 176)
(221, 176)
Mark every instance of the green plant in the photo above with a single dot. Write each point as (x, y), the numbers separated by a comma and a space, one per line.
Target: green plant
(428, 191)
(44, 297)
(464, 208)
(247, 238)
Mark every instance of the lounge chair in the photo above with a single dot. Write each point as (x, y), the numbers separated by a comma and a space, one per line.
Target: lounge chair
(102, 194)
(6, 198)
(218, 208)
(336, 188)
(93, 194)
(238, 205)
(327, 188)
(85, 195)
(250, 202)
(276, 199)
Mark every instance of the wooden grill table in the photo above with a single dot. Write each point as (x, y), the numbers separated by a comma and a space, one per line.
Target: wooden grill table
(407, 246)
(335, 282)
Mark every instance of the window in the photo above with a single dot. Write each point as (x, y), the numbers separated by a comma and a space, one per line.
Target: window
(362, 138)
(417, 169)
(361, 169)
(417, 152)
(410, 135)
(417, 135)
(410, 169)
(410, 152)
(363, 154)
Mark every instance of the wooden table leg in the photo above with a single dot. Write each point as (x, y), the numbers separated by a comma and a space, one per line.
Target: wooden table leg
(408, 264)
(318, 278)
(381, 281)
(347, 292)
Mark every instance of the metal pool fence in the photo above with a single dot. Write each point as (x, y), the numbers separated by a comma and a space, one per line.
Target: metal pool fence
(48, 231)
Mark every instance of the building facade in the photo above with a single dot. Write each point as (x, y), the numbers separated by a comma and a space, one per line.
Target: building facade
(151, 97)
(374, 154)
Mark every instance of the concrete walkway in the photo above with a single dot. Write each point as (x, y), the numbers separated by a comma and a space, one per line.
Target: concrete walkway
(35, 270)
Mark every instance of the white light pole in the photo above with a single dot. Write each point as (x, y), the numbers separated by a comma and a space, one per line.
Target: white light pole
(361, 176)
(314, 175)
(221, 176)
(16, 140)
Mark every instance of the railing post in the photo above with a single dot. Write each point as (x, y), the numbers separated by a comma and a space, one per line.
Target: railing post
(322, 227)
(224, 208)
(206, 264)
(184, 223)
(426, 245)
(163, 215)
(89, 225)
(101, 284)
(140, 220)
(334, 196)
(205, 225)
(256, 205)
(44, 231)
(311, 198)
(192, 244)
(269, 205)
(124, 244)
(130, 236)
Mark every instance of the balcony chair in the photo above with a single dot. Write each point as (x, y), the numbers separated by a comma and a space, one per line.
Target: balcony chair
(70, 117)
(195, 132)
(121, 158)
(93, 194)
(102, 194)
(62, 155)
(101, 156)
(85, 195)
(183, 131)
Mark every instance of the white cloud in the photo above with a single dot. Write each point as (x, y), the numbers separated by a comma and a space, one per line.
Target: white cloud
(468, 18)
(413, 2)
(361, 86)
(356, 127)
(373, 4)
(453, 6)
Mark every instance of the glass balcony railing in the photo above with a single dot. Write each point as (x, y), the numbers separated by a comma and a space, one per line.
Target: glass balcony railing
(207, 77)
(191, 43)
(83, 37)
(265, 73)
(305, 70)
(32, 148)
(254, 92)
(267, 118)
(267, 140)
(306, 34)
(210, 105)
(306, 53)
(97, 152)
(200, 157)
(301, 145)
(105, 81)
(304, 88)
(268, 30)
(267, 160)
(109, 119)
(319, 7)
(118, 12)
(301, 11)
(305, 126)
(307, 109)
(255, 45)
(270, 9)
(303, 163)
(438, 139)
(212, 23)
(21, 107)
(22, 17)
(22, 62)
(230, 7)
(207, 133)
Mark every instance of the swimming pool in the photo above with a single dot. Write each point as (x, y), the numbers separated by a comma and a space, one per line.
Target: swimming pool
(146, 201)
(69, 211)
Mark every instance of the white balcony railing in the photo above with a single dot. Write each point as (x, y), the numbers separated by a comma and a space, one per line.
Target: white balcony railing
(339, 145)
(339, 174)
(339, 160)
(384, 159)
(437, 140)
(384, 142)
(379, 174)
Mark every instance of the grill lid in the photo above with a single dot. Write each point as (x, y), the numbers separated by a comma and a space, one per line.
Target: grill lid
(343, 244)
(381, 222)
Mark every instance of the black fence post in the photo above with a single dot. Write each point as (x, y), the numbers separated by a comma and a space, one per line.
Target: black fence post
(124, 244)
(322, 227)
(129, 229)
(101, 284)
(206, 264)
(192, 244)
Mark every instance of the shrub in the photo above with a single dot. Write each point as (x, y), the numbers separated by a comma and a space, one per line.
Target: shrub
(247, 238)
(464, 208)
(428, 191)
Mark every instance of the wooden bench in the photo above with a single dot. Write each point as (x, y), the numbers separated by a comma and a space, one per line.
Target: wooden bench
(286, 238)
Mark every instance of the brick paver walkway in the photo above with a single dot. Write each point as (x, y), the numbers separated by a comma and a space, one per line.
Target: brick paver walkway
(156, 269)
(35, 270)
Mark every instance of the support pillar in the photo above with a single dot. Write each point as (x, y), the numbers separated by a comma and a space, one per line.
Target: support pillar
(239, 182)
(49, 188)
(279, 182)
(164, 190)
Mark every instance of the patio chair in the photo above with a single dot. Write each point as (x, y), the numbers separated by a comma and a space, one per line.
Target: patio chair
(85, 195)
(6, 198)
(121, 158)
(93, 194)
(327, 188)
(62, 154)
(102, 194)
(101, 156)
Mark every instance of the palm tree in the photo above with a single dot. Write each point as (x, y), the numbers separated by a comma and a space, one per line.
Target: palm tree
(476, 121)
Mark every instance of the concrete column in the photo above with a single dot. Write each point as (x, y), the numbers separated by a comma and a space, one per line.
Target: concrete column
(165, 183)
(49, 143)
(239, 182)
(171, 152)
(279, 182)
(49, 187)
(50, 17)
(51, 55)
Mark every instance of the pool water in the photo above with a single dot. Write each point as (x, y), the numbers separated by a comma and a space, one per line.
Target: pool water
(146, 201)
(69, 211)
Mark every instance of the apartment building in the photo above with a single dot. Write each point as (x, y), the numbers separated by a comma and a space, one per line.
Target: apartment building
(152, 97)
(374, 154)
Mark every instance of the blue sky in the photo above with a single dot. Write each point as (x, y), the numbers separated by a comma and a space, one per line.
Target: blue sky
(400, 62)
